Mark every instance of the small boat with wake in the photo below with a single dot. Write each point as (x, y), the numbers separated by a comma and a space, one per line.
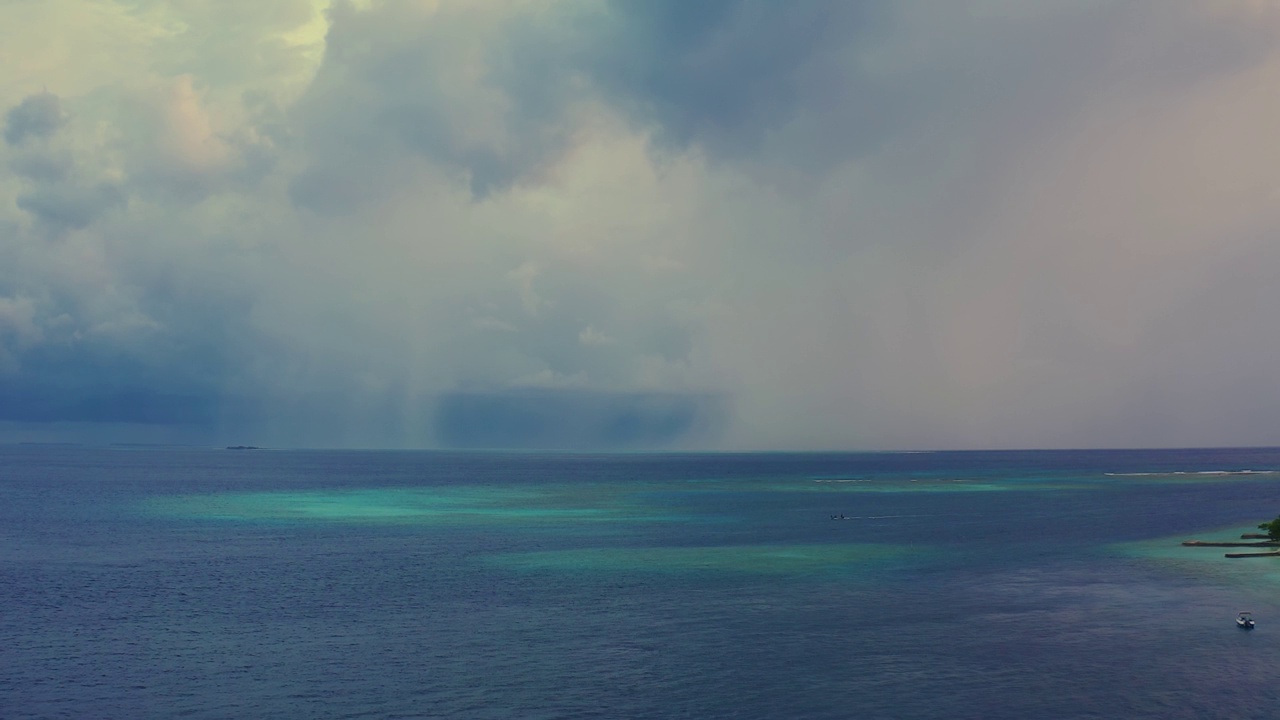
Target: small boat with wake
(1244, 621)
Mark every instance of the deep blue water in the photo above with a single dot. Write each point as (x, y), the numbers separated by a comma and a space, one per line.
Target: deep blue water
(158, 583)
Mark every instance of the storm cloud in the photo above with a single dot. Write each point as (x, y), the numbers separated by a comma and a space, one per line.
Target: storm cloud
(37, 116)
(731, 224)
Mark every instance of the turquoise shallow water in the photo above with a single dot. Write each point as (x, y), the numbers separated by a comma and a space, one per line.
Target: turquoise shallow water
(211, 583)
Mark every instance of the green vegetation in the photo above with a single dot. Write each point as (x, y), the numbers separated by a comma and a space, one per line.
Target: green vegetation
(1272, 528)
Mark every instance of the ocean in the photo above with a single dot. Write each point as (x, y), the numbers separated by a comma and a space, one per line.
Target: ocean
(212, 583)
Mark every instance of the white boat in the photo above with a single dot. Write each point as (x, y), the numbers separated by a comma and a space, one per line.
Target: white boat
(1244, 621)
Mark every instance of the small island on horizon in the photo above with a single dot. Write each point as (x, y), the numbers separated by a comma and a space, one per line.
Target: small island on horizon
(243, 447)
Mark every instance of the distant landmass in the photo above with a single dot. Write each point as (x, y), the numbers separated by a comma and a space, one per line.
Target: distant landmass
(243, 447)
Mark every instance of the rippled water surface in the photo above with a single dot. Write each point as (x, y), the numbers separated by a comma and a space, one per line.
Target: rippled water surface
(158, 583)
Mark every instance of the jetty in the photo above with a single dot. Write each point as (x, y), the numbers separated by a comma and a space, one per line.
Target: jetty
(1256, 540)
(1227, 543)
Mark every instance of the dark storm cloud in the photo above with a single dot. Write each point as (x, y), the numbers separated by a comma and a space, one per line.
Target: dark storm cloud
(722, 73)
(867, 224)
(560, 419)
(37, 115)
(804, 87)
(42, 167)
(69, 206)
(95, 405)
(396, 82)
(791, 87)
(107, 380)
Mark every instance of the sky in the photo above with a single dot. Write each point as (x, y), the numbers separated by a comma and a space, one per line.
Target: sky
(640, 224)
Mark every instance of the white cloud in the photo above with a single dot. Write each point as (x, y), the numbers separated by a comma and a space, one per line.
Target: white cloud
(592, 337)
(551, 380)
(524, 277)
